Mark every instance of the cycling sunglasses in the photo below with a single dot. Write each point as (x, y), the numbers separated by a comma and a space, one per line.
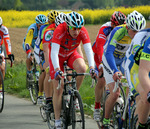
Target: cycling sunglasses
(74, 28)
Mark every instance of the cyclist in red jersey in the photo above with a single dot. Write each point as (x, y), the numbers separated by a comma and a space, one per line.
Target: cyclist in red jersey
(48, 34)
(66, 38)
(4, 37)
(117, 18)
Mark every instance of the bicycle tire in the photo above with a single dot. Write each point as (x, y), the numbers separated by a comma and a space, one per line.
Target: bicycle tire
(78, 121)
(33, 89)
(43, 113)
(50, 119)
(114, 123)
(1, 93)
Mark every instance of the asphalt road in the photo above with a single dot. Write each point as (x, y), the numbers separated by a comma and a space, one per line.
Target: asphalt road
(19, 113)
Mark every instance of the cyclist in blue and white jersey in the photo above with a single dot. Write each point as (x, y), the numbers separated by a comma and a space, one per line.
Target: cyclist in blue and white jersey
(29, 41)
(137, 72)
(113, 58)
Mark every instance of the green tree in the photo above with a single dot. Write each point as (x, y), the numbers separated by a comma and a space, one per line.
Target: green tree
(18, 5)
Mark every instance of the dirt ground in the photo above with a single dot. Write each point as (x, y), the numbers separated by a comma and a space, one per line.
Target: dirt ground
(17, 36)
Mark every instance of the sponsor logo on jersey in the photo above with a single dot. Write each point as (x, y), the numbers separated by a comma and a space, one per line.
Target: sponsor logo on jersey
(48, 35)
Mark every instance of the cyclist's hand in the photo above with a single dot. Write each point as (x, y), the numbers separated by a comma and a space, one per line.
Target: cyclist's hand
(117, 75)
(94, 73)
(11, 57)
(58, 75)
(30, 56)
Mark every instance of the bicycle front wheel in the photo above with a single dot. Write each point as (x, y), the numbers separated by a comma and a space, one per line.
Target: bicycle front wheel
(78, 121)
(1, 92)
(33, 89)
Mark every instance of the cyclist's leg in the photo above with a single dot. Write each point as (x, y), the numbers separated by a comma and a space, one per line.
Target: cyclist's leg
(48, 89)
(57, 94)
(143, 106)
(77, 63)
(99, 88)
(111, 100)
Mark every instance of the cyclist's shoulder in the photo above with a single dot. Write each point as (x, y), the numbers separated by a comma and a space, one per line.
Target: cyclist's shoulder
(32, 26)
(119, 32)
(4, 29)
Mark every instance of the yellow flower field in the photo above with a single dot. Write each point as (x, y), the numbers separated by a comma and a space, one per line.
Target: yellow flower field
(19, 19)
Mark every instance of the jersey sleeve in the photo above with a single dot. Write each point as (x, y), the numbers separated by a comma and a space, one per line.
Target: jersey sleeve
(100, 41)
(28, 40)
(114, 37)
(146, 51)
(7, 44)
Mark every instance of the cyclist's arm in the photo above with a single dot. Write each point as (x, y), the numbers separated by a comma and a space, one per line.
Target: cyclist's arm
(7, 44)
(28, 40)
(89, 54)
(114, 37)
(54, 56)
(100, 41)
(46, 54)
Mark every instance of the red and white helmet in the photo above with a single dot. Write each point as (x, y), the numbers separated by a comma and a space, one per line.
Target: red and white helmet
(118, 18)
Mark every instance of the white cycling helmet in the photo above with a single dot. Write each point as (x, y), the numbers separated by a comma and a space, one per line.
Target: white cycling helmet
(60, 19)
(136, 21)
(1, 21)
(74, 19)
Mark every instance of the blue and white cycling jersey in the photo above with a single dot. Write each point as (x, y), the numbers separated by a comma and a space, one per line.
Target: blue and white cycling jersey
(136, 43)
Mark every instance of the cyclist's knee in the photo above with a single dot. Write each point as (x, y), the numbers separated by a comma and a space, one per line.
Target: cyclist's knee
(81, 69)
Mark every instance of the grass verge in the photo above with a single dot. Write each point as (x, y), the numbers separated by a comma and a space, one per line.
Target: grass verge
(15, 84)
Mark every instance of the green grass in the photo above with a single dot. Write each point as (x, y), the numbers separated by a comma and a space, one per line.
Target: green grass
(15, 80)
(15, 83)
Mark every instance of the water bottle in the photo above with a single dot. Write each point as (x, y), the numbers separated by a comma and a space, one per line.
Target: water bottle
(120, 102)
(67, 100)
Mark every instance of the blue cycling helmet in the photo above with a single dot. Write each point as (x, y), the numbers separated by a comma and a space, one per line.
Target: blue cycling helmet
(74, 19)
(41, 19)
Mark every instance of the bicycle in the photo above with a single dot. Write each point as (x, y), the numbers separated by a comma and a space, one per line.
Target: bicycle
(122, 109)
(33, 85)
(43, 110)
(2, 91)
(69, 115)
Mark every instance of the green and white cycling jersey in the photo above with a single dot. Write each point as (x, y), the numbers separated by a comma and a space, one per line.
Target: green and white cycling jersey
(114, 52)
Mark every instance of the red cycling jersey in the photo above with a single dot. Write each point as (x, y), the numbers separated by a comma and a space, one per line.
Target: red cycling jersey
(4, 37)
(97, 47)
(68, 44)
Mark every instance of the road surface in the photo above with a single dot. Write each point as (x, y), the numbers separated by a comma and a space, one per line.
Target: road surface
(19, 113)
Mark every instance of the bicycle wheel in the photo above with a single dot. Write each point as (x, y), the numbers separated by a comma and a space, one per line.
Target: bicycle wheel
(50, 119)
(1, 92)
(78, 121)
(43, 113)
(115, 117)
(33, 89)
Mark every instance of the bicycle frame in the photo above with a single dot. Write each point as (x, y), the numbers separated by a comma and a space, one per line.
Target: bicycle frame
(128, 101)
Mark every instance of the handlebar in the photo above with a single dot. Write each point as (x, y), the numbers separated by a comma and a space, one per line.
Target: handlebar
(6, 58)
(75, 74)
